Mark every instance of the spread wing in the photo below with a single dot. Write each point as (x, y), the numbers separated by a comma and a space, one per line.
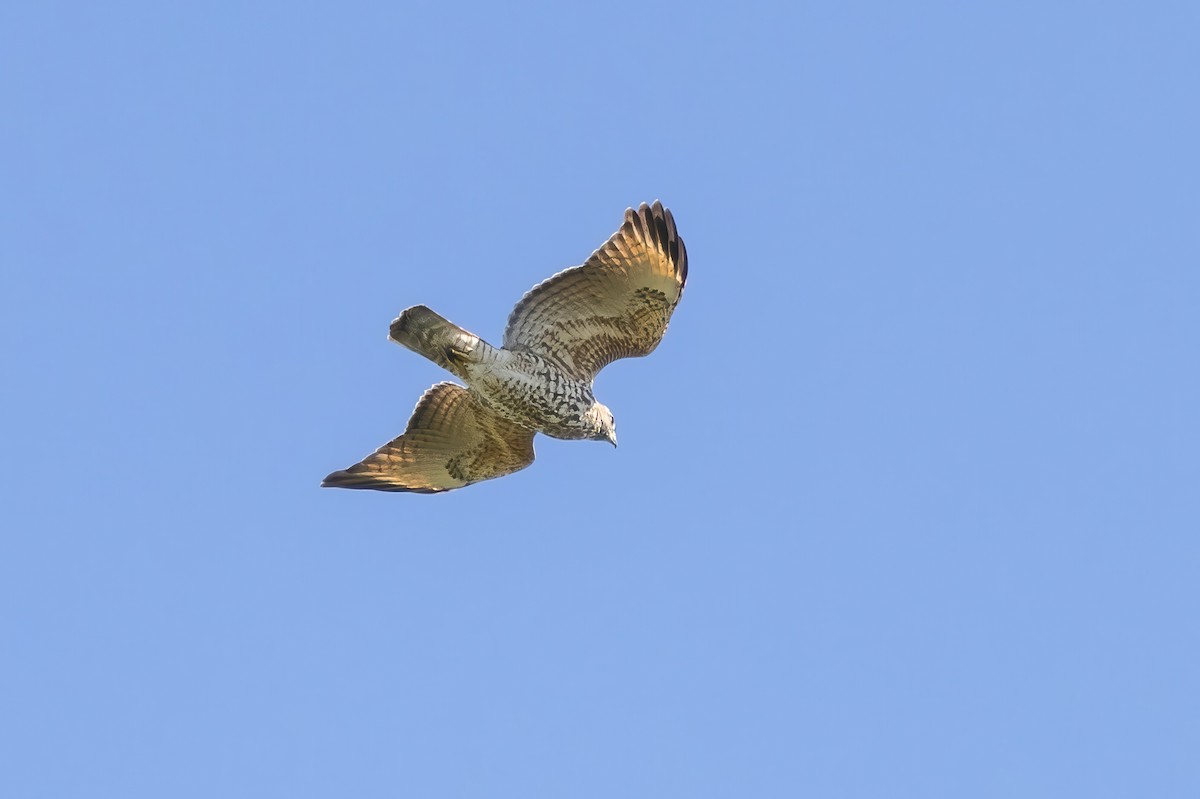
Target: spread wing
(451, 441)
(616, 305)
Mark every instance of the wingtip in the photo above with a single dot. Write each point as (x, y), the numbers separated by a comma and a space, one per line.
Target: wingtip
(658, 226)
(336, 479)
(647, 212)
(349, 478)
(346, 479)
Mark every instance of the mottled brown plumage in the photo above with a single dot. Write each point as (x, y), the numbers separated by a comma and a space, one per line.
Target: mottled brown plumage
(561, 333)
(616, 305)
(451, 441)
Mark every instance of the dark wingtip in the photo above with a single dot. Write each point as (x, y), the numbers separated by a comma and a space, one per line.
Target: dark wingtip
(659, 224)
(339, 479)
(348, 478)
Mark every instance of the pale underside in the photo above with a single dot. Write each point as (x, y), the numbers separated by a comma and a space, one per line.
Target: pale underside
(616, 305)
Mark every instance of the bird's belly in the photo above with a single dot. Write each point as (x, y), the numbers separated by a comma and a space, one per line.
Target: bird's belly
(537, 396)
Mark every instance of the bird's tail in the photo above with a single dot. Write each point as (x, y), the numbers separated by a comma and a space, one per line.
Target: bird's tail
(438, 339)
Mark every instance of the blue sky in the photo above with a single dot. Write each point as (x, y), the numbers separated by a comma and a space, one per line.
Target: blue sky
(905, 504)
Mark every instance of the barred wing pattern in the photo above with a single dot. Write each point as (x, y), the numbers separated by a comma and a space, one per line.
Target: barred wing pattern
(451, 441)
(616, 305)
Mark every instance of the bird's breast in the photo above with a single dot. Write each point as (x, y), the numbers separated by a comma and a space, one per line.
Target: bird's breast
(535, 393)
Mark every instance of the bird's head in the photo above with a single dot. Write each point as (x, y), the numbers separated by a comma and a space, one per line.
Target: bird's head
(603, 426)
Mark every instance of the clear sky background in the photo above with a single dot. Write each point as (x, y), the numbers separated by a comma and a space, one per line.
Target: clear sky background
(906, 503)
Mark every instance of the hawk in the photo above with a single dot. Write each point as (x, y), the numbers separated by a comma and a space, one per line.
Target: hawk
(564, 331)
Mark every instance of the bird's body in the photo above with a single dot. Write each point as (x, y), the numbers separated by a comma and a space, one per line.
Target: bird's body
(535, 393)
(520, 386)
(559, 336)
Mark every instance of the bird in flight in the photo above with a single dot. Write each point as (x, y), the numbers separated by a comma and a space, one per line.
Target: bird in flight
(565, 330)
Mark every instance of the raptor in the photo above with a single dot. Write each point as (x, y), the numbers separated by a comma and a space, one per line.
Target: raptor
(617, 304)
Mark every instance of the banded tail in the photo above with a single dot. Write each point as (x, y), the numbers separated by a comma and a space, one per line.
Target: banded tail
(438, 339)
